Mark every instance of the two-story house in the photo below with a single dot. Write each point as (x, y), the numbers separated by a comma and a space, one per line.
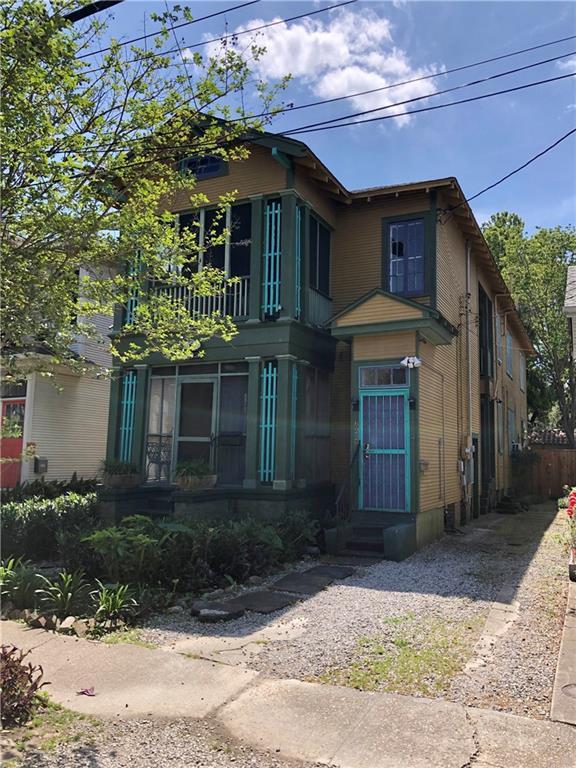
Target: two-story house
(379, 364)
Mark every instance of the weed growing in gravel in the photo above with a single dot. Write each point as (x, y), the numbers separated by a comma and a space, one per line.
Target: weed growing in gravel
(131, 636)
(418, 656)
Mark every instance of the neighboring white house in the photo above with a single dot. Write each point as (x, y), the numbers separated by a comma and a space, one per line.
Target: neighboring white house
(65, 417)
(570, 305)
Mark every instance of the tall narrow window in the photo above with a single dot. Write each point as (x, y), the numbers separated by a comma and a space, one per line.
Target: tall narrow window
(272, 257)
(499, 338)
(522, 373)
(509, 355)
(127, 407)
(240, 240)
(319, 257)
(268, 404)
(486, 338)
(512, 436)
(406, 257)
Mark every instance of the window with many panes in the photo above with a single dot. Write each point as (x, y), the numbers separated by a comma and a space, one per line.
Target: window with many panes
(204, 167)
(406, 257)
(383, 376)
(319, 243)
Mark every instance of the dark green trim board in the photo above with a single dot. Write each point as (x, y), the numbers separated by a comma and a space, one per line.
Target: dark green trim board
(115, 394)
(256, 259)
(252, 422)
(140, 413)
(288, 263)
(431, 233)
(431, 329)
(429, 218)
(284, 431)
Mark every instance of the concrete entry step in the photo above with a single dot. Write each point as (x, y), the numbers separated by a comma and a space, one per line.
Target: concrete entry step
(302, 583)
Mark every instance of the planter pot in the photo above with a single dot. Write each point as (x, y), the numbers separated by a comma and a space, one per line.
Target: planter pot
(196, 483)
(121, 481)
(572, 564)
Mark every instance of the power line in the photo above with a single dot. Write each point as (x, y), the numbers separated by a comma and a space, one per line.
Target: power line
(176, 26)
(234, 35)
(512, 173)
(440, 93)
(212, 145)
(324, 127)
(103, 147)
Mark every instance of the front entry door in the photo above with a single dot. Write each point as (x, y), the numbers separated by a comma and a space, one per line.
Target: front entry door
(385, 446)
(196, 422)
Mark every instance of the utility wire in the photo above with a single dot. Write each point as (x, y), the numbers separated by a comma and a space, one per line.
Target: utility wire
(213, 145)
(176, 26)
(512, 173)
(234, 35)
(104, 147)
(440, 93)
(325, 127)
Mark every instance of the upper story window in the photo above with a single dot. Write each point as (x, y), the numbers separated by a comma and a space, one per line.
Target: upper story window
(406, 257)
(522, 373)
(205, 167)
(232, 254)
(383, 376)
(319, 257)
(499, 338)
(486, 336)
(509, 355)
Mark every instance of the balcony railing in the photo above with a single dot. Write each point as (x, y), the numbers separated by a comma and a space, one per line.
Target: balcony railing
(233, 301)
(319, 309)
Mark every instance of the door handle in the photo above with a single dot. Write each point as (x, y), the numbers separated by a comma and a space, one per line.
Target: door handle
(366, 449)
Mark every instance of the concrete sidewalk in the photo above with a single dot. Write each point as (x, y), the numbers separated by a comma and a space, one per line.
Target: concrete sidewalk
(306, 721)
(564, 696)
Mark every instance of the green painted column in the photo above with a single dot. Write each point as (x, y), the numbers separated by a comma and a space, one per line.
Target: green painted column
(284, 417)
(305, 268)
(113, 410)
(252, 423)
(288, 264)
(256, 260)
(140, 413)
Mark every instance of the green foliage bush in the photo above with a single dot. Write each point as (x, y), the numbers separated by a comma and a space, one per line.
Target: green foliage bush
(19, 583)
(113, 603)
(44, 529)
(67, 595)
(20, 684)
(48, 489)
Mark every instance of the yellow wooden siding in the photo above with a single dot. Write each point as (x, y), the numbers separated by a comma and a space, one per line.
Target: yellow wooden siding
(68, 423)
(439, 425)
(259, 174)
(383, 346)
(357, 245)
(379, 309)
(311, 193)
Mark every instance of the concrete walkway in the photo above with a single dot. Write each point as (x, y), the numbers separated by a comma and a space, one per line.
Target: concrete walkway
(564, 696)
(310, 722)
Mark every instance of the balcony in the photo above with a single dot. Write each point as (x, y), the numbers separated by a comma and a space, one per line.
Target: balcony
(233, 301)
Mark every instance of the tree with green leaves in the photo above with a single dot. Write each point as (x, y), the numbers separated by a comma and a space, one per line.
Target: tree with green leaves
(535, 269)
(91, 160)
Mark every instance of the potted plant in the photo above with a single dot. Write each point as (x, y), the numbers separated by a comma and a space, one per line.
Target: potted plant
(195, 475)
(120, 474)
(571, 512)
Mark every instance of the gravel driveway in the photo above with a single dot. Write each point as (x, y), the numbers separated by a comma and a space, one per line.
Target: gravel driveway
(380, 628)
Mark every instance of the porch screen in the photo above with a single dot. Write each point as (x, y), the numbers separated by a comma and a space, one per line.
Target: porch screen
(231, 448)
(316, 427)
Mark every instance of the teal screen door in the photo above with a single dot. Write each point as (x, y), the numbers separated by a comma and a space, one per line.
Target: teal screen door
(385, 446)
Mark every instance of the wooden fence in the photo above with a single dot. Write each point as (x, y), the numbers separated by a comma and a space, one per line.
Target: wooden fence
(556, 468)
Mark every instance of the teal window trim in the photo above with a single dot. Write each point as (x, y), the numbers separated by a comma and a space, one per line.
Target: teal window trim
(268, 408)
(127, 413)
(272, 257)
(429, 219)
(405, 393)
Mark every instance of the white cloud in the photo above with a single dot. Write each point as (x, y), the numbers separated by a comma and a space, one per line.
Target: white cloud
(569, 64)
(346, 53)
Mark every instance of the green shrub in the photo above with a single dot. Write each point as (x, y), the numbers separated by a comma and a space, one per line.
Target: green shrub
(48, 489)
(297, 530)
(113, 603)
(130, 552)
(38, 528)
(19, 583)
(20, 684)
(195, 468)
(67, 595)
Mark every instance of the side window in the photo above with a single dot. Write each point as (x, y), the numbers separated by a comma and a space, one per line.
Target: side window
(406, 257)
(383, 376)
(522, 374)
(499, 338)
(509, 355)
(204, 167)
(500, 427)
(319, 257)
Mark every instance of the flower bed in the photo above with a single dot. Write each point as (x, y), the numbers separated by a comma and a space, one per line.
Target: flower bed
(569, 503)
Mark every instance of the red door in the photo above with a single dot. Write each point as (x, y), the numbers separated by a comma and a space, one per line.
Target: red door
(11, 447)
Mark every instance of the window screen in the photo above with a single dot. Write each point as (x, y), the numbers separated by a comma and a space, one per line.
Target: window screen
(319, 243)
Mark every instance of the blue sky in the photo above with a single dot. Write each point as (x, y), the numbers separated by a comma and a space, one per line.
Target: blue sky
(368, 44)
